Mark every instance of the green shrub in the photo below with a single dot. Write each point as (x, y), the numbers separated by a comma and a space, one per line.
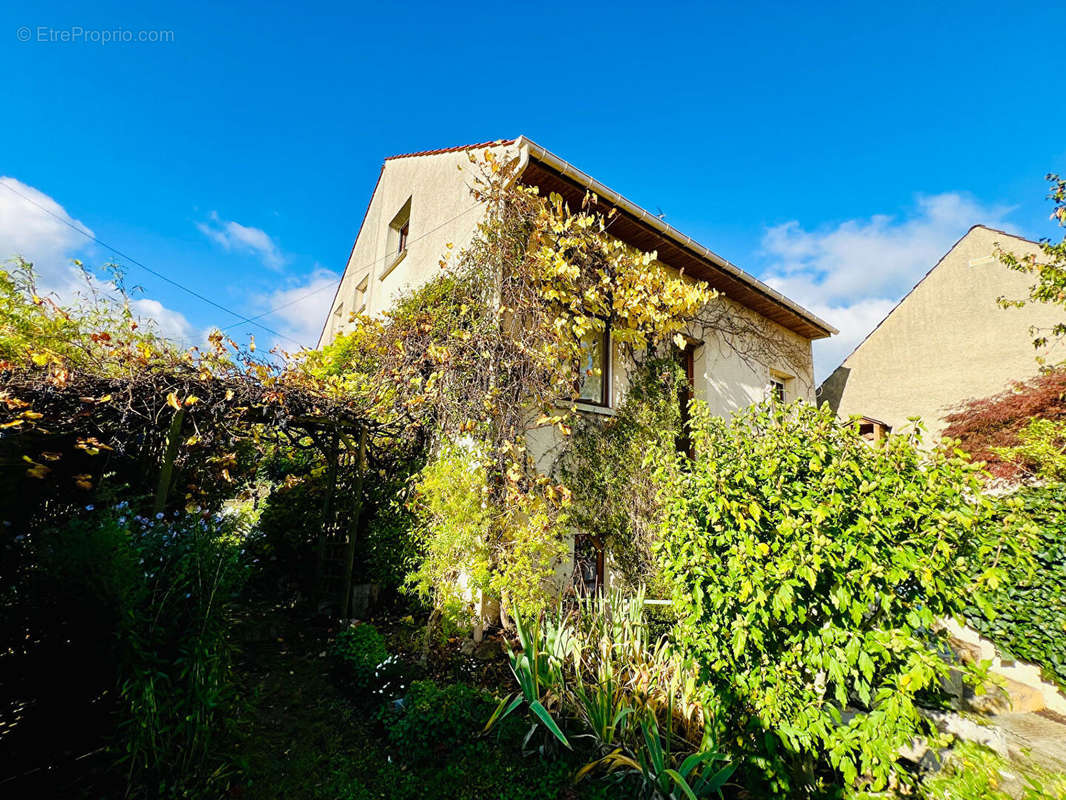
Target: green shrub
(810, 570)
(469, 544)
(436, 749)
(360, 651)
(1041, 449)
(436, 720)
(1026, 614)
(169, 584)
(292, 515)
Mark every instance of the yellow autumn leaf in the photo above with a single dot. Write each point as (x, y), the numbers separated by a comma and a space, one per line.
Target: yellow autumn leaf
(191, 400)
(172, 401)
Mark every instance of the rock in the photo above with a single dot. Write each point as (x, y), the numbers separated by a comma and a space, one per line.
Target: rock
(1010, 696)
(970, 730)
(967, 652)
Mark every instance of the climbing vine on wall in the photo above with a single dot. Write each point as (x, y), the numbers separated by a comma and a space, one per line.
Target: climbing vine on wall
(1029, 619)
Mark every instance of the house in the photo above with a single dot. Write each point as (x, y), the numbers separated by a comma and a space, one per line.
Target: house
(422, 204)
(947, 341)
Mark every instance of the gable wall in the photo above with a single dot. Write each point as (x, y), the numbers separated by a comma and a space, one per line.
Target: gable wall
(442, 211)
(948, 341)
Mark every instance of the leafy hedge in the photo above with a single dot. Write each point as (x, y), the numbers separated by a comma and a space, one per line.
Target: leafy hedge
(809, 571)
(1029, 621)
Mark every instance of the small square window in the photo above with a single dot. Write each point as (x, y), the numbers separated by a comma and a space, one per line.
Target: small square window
(777, 390)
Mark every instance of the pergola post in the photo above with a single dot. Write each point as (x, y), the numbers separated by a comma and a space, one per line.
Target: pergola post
(327, 512)
(166, 470)
(353, 526)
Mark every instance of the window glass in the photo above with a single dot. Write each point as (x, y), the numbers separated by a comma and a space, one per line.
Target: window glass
(593, 368)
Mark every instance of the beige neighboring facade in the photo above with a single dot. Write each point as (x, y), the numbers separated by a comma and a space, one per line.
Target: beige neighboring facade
(946, 342)
(422, 204)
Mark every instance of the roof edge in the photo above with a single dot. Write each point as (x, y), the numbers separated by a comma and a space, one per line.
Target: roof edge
(615, 198)
(456, 149)
(344, 272)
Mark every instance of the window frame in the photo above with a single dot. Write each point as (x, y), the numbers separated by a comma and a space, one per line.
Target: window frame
(686, 393)
(778, 391)
(605, 376)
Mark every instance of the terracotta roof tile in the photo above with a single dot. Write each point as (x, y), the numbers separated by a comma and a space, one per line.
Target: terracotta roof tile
(453, 149)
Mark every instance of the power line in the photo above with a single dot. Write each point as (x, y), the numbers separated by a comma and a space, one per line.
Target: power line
(159, 275)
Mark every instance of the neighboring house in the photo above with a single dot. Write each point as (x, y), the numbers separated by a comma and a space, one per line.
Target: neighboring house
(422, 204)
(946, 342)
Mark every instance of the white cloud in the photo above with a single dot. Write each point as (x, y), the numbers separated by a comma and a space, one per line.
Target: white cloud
(234, 236)
(32, 233)
(168, 322)
(302, 307)
(51, 245)
(852, 274)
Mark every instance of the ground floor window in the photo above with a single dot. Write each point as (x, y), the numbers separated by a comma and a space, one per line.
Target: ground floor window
(588, 564)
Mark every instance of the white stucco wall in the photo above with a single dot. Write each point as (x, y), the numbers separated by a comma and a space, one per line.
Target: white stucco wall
(733, 372)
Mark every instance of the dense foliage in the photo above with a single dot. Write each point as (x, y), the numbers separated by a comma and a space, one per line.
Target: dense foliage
(1026, 613)
(972, 772)
(360, 650)
(810, 570)
(984, 427)
(158, 592)
(459, 563)
(605, 465)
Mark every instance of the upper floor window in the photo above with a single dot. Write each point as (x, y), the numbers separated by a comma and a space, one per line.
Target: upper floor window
(595, 369)
(399, 229)
(396, 239)
(360, 294)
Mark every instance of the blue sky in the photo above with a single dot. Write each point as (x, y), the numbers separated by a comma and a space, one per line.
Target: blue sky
(836, 150)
